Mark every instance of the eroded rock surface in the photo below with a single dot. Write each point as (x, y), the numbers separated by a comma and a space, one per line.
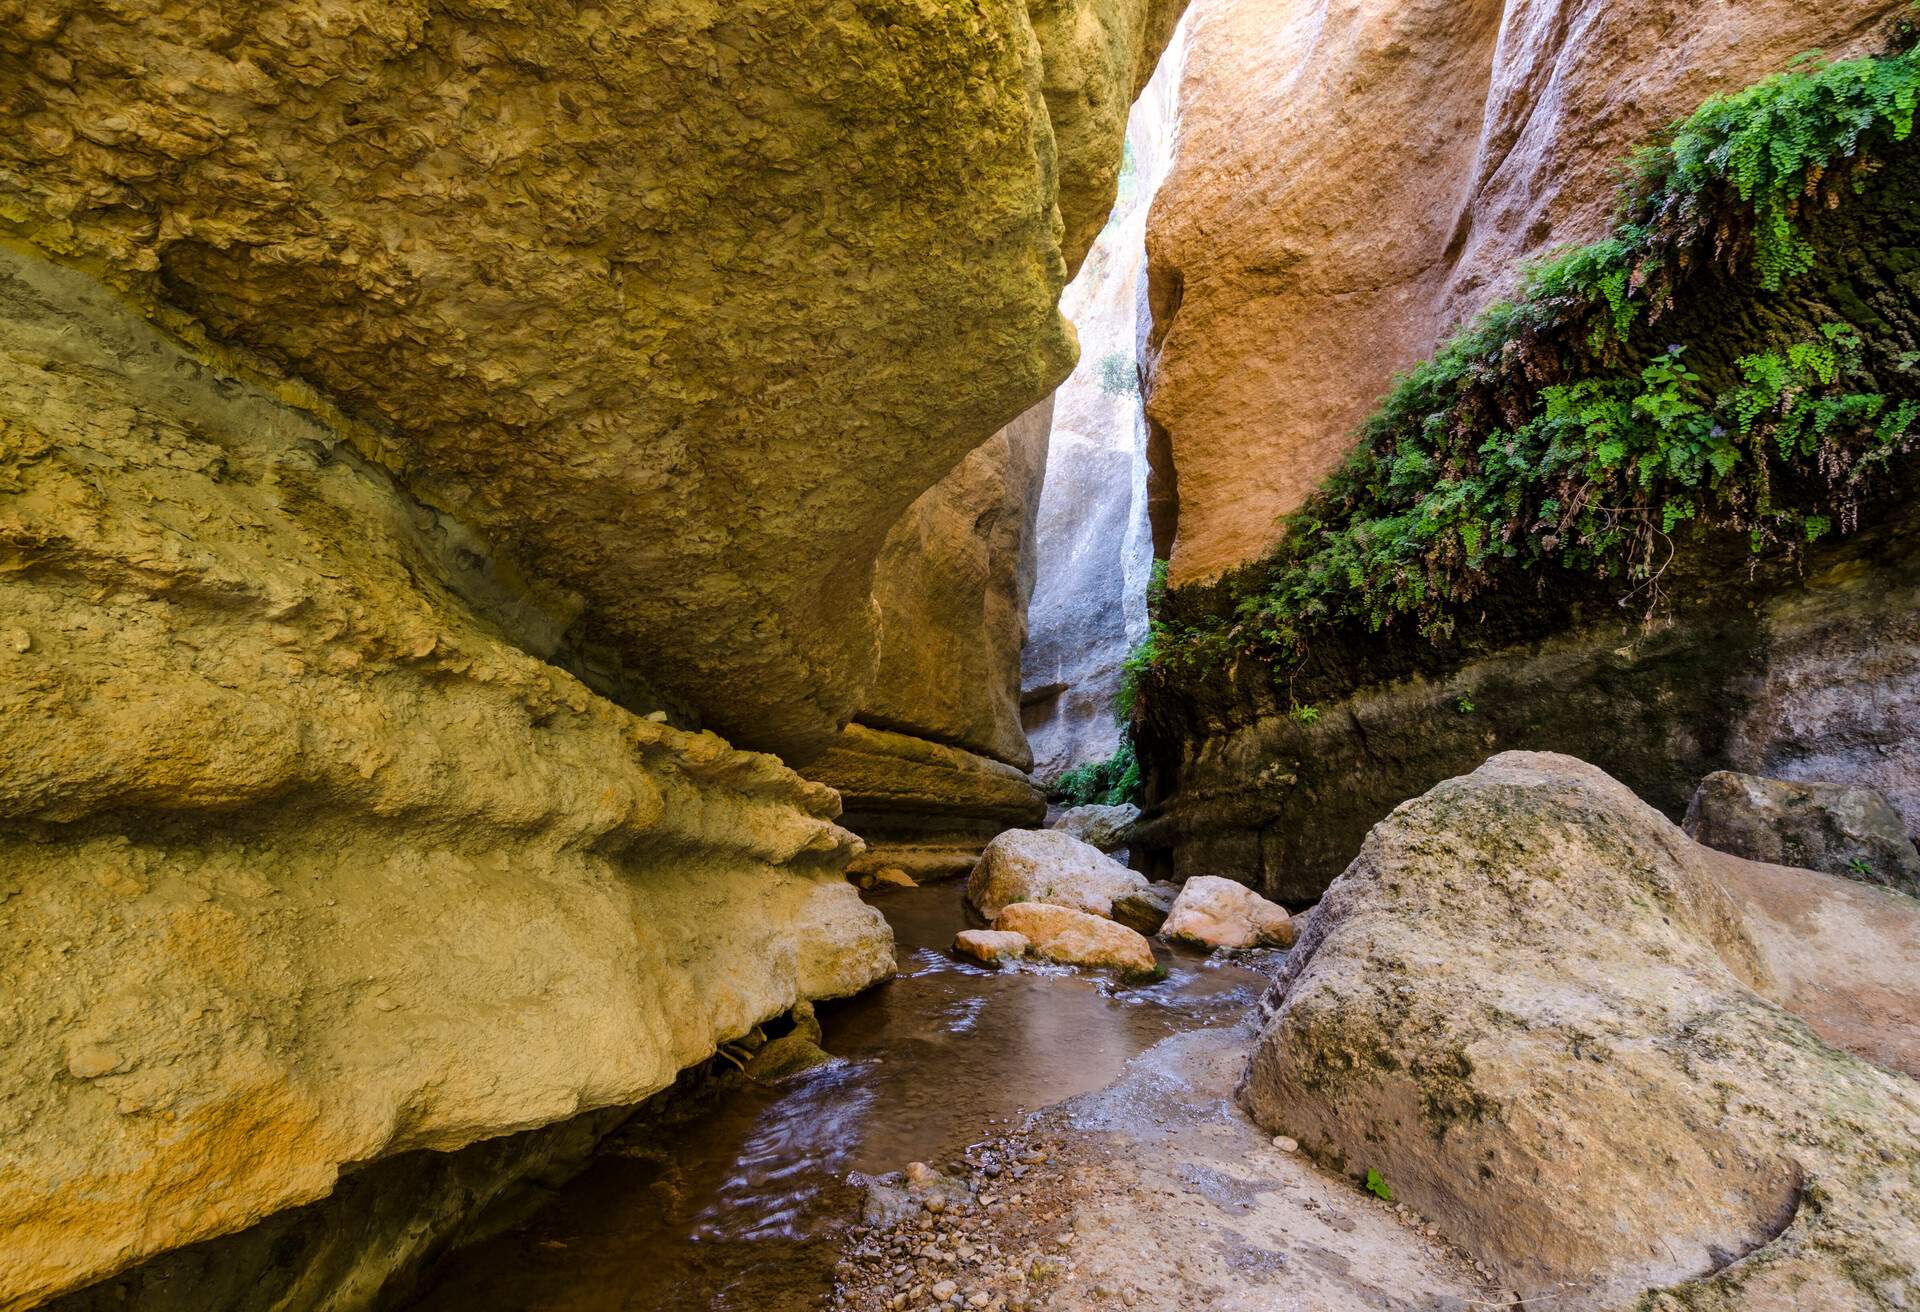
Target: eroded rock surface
(1564, 1031)
(922, 806)
(308, 862)
(1046, 865)
(952, 586)
(1354, 179)
(1832, 827)
(683, 305)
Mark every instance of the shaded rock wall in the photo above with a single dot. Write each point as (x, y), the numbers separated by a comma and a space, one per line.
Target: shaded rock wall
(1355, 179)
(952, 588)
(1095, 543)
(307, 862)
(682, 305)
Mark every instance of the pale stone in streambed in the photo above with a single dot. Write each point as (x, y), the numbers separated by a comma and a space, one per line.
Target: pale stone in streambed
(1212, 912)
(1074, 938)
(1045, 865)
(1603, 1058)
(990, 947)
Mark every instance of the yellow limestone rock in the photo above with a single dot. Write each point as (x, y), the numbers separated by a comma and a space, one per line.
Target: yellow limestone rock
(303, 864)
(682, 303)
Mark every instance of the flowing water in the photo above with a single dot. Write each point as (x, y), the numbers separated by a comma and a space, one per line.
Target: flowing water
(744, 1209)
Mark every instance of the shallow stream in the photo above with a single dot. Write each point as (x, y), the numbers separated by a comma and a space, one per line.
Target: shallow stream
(745, 1211)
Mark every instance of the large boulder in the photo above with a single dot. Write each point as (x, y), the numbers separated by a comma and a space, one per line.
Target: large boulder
(1603, 1058)
(1073, 938)
(1045, 865)
(1104, 827)
(306, 864)
(683, 305)
(1212, 912)
(1301, 255)
(1838, 828)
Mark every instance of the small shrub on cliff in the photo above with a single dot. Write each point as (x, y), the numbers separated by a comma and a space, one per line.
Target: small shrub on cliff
(1542, 436)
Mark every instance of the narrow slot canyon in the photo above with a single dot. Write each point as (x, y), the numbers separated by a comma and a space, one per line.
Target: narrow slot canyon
(924, 656)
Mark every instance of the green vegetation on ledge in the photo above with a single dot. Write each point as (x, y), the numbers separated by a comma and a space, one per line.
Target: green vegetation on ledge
(1112, 782)
(1559, 431)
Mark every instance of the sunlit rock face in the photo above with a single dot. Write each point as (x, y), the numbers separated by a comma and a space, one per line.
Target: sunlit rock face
(305, 861)
(1095, 542)
(1355, 178)
(683, 304)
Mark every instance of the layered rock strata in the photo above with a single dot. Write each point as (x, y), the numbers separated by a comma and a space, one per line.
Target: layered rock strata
(1602, 1058)
(1354, 180)
(682, 306)
(308, 863)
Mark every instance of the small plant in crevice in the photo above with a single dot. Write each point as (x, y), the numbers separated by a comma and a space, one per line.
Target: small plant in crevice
(1111, 782)
(1378, 1187)
(1118, 376)
(1306, 715)
(1860, 867)
(1549, 434)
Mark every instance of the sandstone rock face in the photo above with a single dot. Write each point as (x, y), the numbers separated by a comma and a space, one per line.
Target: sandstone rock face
(683, 305)
(1104, 827)
(1212, 912)
(1831, 827)
(1096, 543)
(952, 588)
(1568, 1034)
(308, 863)
(1354, 179)
(1074, 938)
(922, 806)
(991, 947)
(1045, 865)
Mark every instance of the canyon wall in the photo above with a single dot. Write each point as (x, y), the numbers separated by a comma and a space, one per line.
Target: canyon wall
(1095, 542)
(419, 421)
(934, 764)
(1802, 662)
(1355, 179)
(683, 306)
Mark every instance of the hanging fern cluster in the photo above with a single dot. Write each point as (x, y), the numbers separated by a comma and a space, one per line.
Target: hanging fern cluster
(1543, 437)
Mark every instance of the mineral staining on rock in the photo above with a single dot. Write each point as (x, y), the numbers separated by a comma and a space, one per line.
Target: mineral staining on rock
(682, 305)
(1838, 828)
(1556, 1025)
(309, 863)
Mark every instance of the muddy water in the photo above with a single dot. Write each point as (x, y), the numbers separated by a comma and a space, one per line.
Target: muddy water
(744, 1210)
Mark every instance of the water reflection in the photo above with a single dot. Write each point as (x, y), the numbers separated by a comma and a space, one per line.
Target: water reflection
(739, 1209)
